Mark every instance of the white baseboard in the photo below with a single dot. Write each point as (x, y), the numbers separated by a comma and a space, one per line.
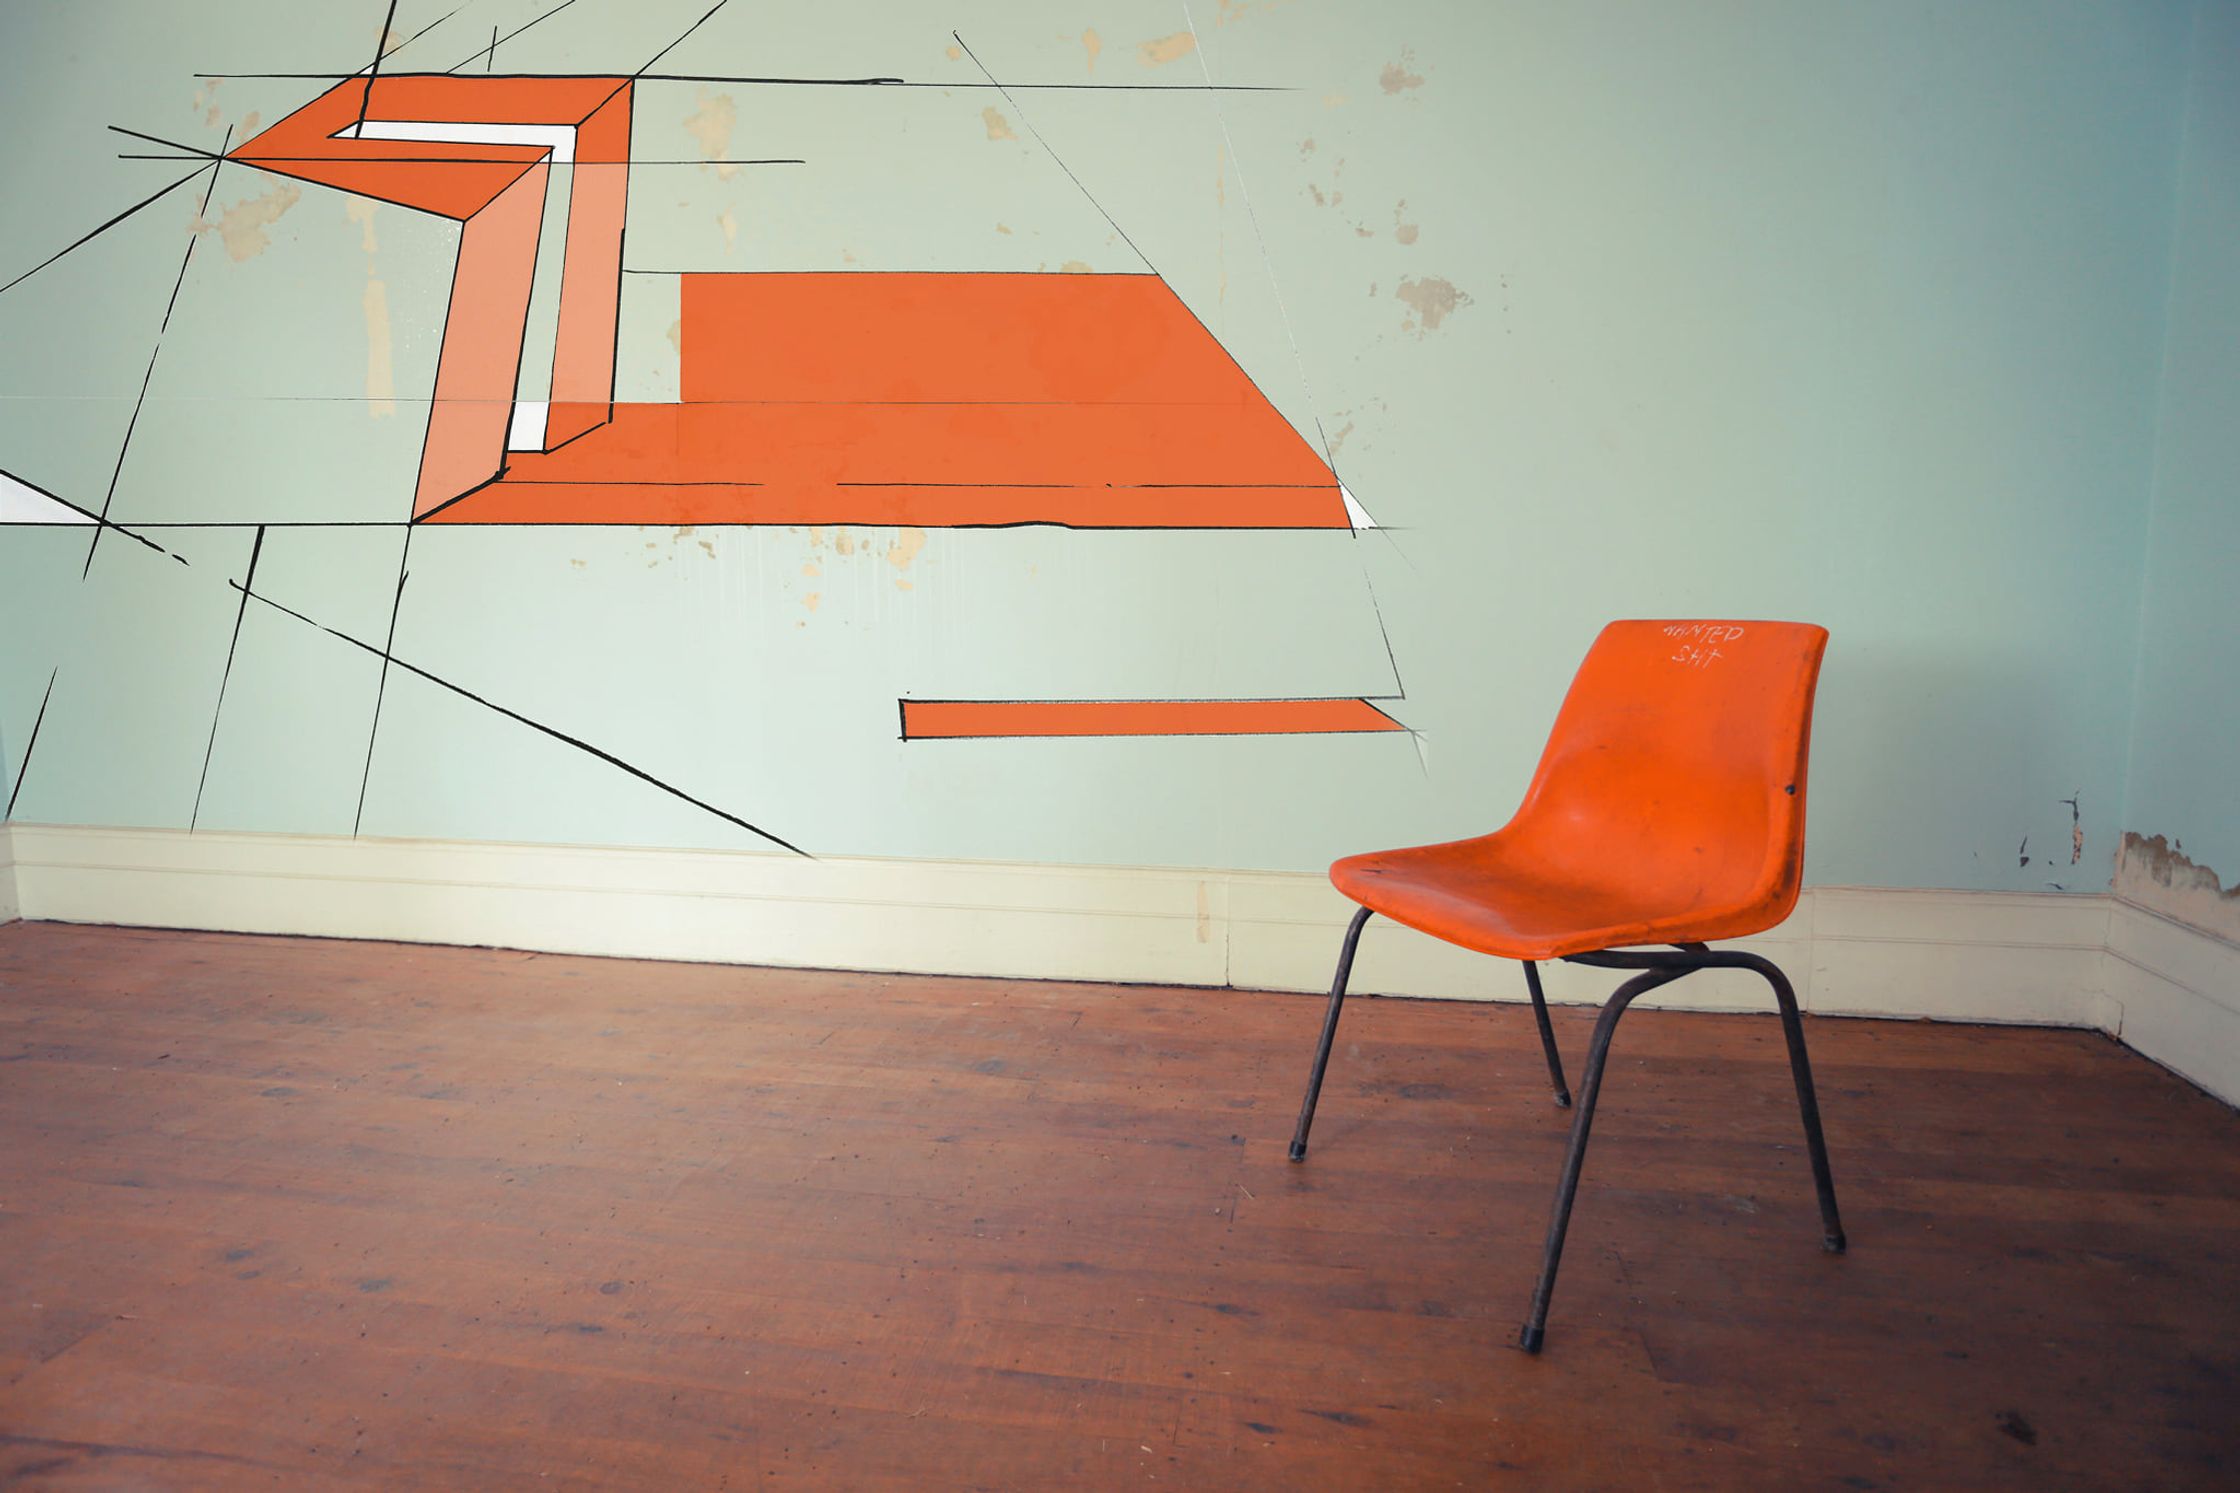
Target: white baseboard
(2036, 958)
(7, 874)
(2174, 993)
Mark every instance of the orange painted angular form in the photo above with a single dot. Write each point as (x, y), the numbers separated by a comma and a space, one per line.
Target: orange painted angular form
(933, 719)
(938, 401)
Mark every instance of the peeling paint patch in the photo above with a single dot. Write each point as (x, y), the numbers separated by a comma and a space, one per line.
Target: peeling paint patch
(1433, 301)
(810, 601)
(1402, 229)
(730, 227)
(999, 128)
(381, 373)
(1400, 77)
(2157, 874)
(1160, 51)
(243, 225)
(711, 125)
(1075, 267)
(907, 543)
(1092, 44)
(360, 210)
(675, 334)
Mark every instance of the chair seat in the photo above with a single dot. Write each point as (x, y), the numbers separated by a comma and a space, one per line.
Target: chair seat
(1483, 894)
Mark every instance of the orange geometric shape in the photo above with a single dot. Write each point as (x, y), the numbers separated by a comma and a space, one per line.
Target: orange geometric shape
(1667, 808)
(948, 719)
(479, 366)
(934, 400)
(496, 191)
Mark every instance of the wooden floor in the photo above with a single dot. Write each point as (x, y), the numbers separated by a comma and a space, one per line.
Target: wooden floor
(305, 1214)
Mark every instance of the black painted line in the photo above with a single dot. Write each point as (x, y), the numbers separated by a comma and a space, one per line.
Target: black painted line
(1062, 166)
(218, 713)
(105, 227)
(192, 150)
(31, 745)
(153, 353)
(373, 70)
(583, 746)
(509, 36)
(960, 84)
(396, 606)
(665, 51)
(354, 158)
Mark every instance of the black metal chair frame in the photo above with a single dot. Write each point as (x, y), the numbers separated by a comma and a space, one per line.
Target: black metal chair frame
(1657, 967)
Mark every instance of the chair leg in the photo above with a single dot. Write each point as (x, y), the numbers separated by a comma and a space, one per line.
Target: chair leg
(1547, 1034)
(1800, 1068)
(1598, 1052)
(1329, 1034)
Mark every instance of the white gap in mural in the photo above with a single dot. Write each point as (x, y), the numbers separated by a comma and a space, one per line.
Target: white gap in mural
(526, 431)
(21, 503)
(1356, 515)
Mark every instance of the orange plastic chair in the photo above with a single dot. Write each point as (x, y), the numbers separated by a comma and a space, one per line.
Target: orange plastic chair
(1668, 808)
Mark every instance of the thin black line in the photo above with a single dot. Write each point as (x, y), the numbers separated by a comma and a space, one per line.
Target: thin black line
(1159, 700)
(146, 378)
(510, 35)
(218, 713)
(941, 486)
(621, 258)
(443, 339)
(1389, 656)
(665, 51)
(582, 746)
(877, 521)
(96, 233)
(883, 522)
(424, 30)
(396, 606)
(373, 69)
(366, 191)
(422, 518)
(945, 486)
(529, 302)
(490, 56)
(1079, 486)
(859, 274)
(24, 770)
(1062, 166)
(652, 77)
(353, 158)
(192, 150)
(1396, 730)
(101, 523)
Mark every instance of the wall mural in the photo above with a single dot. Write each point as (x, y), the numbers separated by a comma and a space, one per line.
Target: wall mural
(843, 402)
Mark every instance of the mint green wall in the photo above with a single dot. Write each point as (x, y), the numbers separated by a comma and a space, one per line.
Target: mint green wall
(1840, 312)
(2188, 712)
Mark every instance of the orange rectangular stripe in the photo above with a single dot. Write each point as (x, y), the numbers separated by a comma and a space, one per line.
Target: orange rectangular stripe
(928, 719)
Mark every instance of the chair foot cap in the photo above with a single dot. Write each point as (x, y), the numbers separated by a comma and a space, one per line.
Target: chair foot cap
(1563, 1099)
(1834, 1243)
(1531, 1338)
(1298, 1150)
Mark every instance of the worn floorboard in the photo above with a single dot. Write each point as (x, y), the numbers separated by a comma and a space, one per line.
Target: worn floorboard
(296, 1213)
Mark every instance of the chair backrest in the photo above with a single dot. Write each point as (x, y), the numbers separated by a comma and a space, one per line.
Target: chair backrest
(1676, 769)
